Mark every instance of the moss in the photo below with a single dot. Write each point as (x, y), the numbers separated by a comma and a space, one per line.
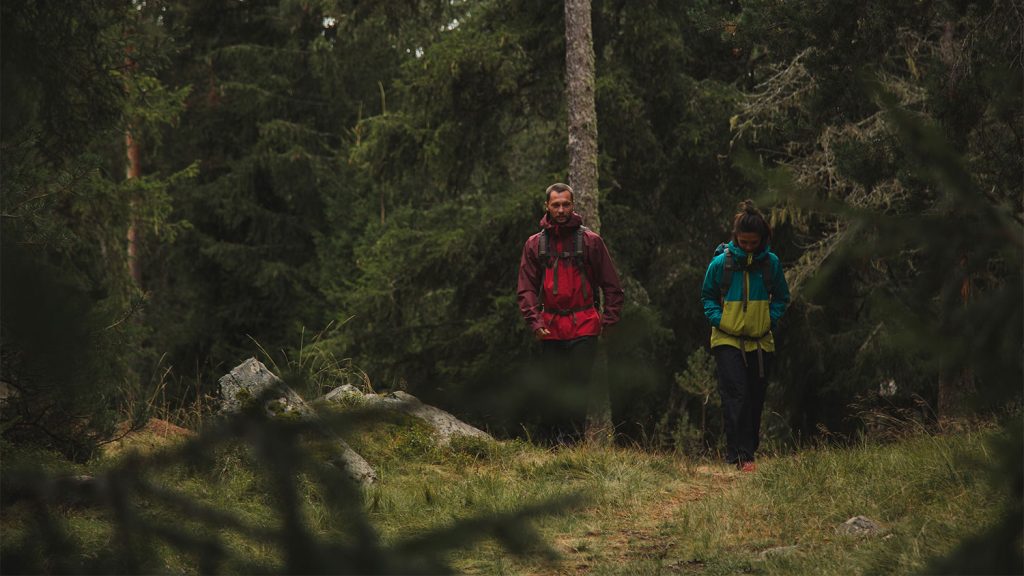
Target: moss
(475, 447)
(246, 401)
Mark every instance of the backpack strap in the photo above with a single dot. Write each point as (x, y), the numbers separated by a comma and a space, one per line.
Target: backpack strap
(728, 267)
(544, 251)
(580, 264)
(553, 263)
(576, 256)
(766, 275)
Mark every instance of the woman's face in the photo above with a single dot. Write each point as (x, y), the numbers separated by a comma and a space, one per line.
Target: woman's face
(748, 241)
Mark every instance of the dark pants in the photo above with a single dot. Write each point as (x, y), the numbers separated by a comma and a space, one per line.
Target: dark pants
(567, 367)
(742, 392)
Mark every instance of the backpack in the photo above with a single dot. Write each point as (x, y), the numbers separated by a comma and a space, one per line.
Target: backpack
(550, 260)
(731, 265)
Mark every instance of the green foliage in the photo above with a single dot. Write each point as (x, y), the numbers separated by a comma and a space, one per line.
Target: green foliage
(699, 378)
(689, 425)
(420, 285)
(62, 364)
(71, 346)
(886, 188)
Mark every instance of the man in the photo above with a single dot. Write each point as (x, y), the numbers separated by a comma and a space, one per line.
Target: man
(562, 268)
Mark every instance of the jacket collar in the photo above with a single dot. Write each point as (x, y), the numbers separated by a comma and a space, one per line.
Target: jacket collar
(574, 222)
(741, 256)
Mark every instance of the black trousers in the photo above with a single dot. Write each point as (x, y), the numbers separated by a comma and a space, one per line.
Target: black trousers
(742, 392)
(567, 368)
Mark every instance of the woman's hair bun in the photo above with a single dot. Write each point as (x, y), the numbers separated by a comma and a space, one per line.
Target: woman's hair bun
(750, 219)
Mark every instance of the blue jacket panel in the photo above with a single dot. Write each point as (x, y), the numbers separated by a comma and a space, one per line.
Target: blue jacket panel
(753, 304)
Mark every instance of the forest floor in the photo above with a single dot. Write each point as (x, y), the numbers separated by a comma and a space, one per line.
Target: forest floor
(639, 512)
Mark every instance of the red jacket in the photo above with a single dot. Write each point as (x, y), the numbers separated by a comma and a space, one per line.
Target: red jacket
(539, 309)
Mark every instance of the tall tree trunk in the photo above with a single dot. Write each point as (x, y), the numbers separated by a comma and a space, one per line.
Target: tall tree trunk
(582, 146)
(132, 171)
(579, 79)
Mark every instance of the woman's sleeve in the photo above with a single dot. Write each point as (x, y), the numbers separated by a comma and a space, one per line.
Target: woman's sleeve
(710, 292)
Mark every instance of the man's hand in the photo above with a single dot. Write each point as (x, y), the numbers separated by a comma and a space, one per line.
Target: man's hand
(540, 333)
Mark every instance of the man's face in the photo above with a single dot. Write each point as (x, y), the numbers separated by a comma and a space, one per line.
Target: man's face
(560, 206)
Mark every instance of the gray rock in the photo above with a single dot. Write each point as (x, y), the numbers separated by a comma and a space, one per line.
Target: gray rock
(444, 424)
(341, 392)
(859, 526)
(354, 465)
(250, 380)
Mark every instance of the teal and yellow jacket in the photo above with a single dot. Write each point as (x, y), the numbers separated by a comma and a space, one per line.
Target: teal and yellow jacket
(744, 317)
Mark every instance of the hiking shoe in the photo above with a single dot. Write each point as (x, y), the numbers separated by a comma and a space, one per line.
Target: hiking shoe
(747, 467)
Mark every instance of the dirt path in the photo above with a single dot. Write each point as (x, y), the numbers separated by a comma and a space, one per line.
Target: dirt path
(638, 532)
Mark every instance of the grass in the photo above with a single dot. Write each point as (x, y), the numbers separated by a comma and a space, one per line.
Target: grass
(641, 513)
(916, 489)
(655, 513)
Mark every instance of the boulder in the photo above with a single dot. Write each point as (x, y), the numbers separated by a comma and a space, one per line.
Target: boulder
(341, 392)
(445, 425)
(250, 381)
(859, 526)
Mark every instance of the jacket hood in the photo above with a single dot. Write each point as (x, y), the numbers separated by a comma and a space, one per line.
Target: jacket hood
(575, 221)
(739, 253)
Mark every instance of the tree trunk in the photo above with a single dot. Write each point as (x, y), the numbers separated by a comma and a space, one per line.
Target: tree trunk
(133, 170)
(579, 79)
(582, 147)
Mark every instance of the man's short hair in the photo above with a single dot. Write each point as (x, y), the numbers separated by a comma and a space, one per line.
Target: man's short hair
(557, 187)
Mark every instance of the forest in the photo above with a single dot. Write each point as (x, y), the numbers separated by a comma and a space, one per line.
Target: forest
(343, 189)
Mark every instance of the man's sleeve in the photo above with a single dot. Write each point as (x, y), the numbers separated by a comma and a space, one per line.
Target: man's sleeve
(710, 292)
(529, 280)
(608, 279)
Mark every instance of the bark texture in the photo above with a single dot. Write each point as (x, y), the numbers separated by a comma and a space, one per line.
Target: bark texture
(133, 171)
(579, 79)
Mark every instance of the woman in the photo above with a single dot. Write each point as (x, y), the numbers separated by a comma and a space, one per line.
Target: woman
(744, 295)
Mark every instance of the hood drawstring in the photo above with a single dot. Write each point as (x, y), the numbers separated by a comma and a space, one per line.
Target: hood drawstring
(746, 282)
